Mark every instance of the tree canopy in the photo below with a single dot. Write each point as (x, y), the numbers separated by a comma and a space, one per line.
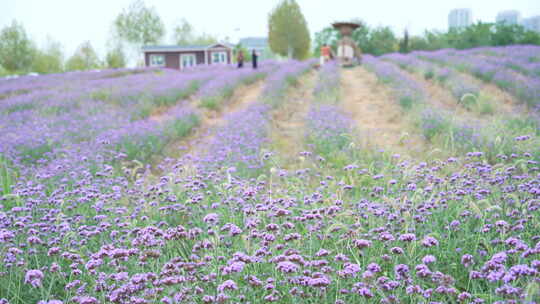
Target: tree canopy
(139, 24)
(184, 34)
(85, 58)
(288, 34)
(115, 58)
(16, 49)
(50, 59)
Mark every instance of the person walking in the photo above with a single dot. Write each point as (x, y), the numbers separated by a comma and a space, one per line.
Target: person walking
(240, 59)
(326, 54)
(254, 57)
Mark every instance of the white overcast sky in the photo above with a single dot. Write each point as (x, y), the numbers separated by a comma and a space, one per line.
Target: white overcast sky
(73, 21)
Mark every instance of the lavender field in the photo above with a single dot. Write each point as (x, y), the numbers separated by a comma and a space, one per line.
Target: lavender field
(418, 181)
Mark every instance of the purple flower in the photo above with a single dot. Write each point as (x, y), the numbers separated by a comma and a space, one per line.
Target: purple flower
(396, 250)
(407, 237)
(467, 260)
(365, 292)
(464, 296)
(211, 218)
(430, 241)
(234, 267)
(428, 259)
(287, 267)
(33, 277)
(374, 267)
(422, 270)
(321, 281)
(401, 271)
(361, 244)
(229, 284)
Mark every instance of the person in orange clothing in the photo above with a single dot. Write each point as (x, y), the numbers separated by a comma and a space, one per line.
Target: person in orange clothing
(326, 54)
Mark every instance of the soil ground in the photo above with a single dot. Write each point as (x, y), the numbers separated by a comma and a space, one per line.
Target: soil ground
(288, 122)
(379, 119)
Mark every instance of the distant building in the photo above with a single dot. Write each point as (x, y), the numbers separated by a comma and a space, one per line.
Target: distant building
(254, 43)
(182, 57)
(259, 44)
(532, 23)
(509, 17)
(459, 18)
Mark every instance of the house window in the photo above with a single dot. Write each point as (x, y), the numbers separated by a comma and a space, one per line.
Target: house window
(187, 60)
(157, 60)
(219, 57)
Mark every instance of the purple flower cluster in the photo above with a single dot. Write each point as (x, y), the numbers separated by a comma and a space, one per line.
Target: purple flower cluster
(328, 129)
(277, 83)
(239, 142)
(408, 91)
(221, 87)
(449, 78)
(327, 87)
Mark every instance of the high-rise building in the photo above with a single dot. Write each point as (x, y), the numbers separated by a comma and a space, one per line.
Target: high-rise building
(459, 18)
(532, 23)
(509, 17)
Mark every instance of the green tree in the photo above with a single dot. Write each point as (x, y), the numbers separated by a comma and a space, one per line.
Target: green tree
(478, 34)
(530, 37)
(139, 25)
(438, 40)
(382, 40)
(85, 58)
(404, 43)
(3, 72)
(184, 35)
(507, 34)
(16, 49)
(288, 34)
(50, 59)
(361, 35)
(418, 43)
(115, 58)
(204, 39)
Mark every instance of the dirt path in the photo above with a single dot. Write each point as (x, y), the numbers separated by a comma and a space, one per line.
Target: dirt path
(378, 117)
(288, 122)
(210, 119)
(440, 96)
(505, 102)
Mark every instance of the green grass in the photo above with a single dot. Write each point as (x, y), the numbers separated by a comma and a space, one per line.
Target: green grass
(13, 93)
(483, 105)
(406, 102)
(31, 155)
(223, 96)
(429, 74)
(493, 137)
(8, 176)
(216, 102)
(20, 107)
(178, 128)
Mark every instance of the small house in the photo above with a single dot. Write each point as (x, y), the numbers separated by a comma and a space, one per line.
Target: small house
(181, 57)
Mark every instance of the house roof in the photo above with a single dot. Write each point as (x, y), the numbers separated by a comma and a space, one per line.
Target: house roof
(254, 42)
(181, 48)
